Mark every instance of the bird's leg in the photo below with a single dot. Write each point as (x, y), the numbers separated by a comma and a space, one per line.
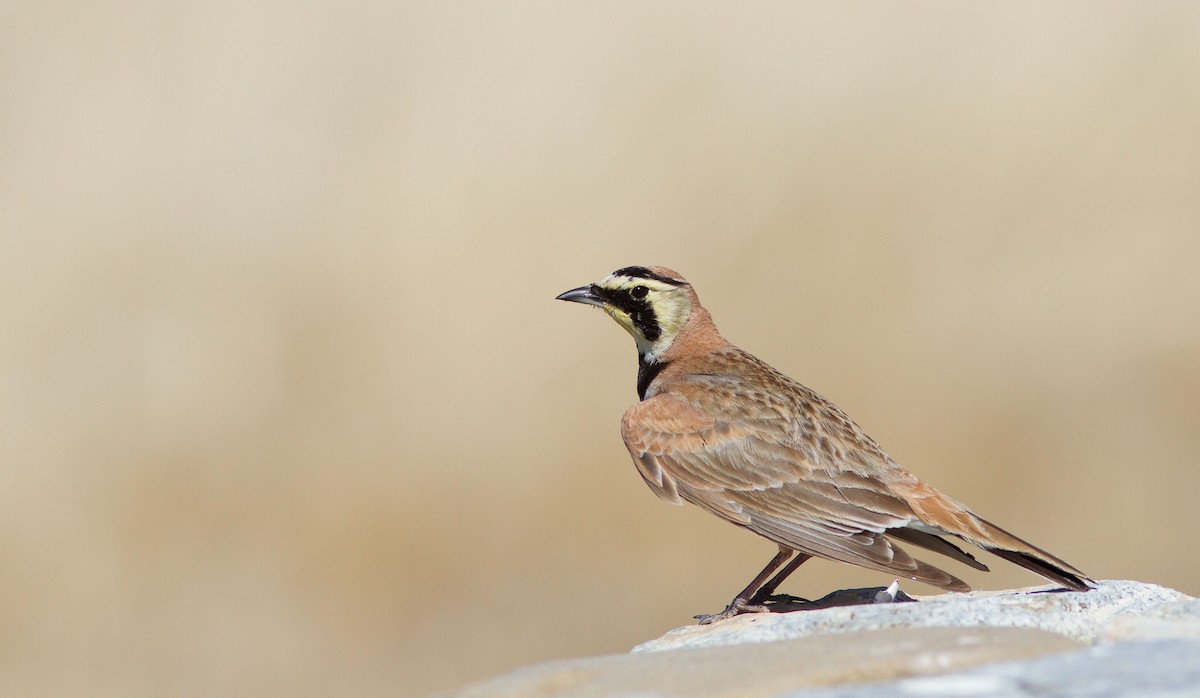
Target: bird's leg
(741, 602)
(767, 590)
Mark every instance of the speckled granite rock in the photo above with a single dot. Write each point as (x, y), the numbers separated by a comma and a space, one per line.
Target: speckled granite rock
(772, 668)
(1118, 609)
(1145, 640)
(1136, 669)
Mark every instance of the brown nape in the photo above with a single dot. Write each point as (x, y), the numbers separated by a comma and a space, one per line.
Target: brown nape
(698, 336)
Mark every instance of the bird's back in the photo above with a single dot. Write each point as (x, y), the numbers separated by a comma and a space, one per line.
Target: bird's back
(726, 431)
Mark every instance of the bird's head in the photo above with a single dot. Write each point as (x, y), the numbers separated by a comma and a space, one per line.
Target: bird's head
(652, 303)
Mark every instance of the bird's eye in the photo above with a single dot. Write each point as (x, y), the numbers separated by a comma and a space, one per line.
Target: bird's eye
(639, 292)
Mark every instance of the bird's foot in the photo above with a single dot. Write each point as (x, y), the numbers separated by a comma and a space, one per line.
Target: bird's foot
(735, 608)
(785, 603)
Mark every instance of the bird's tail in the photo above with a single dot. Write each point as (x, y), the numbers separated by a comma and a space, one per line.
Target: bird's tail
(941, 512)
(1004, 544)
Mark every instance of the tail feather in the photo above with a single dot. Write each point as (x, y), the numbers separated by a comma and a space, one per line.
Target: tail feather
(937, 544)
(1019, 552)
(944, 514)
(1072, 580)
(929, 574)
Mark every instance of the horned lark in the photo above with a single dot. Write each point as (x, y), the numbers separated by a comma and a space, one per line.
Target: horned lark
(717, 427)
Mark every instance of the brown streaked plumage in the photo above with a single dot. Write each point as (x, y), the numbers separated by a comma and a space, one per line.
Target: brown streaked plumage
(721, 429)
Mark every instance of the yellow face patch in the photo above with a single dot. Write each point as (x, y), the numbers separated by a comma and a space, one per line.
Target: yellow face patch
(652, 311)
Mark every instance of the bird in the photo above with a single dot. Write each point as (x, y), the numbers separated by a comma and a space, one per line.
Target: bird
(717, 427)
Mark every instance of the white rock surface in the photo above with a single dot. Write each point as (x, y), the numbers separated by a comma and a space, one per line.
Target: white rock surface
(773, 668)
(1123, 639)
(1138, 669)
(1116, 610)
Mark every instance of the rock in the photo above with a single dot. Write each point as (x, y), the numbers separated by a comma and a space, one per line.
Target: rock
(1133, 669)
(1144, 640)
(1122, 608)
(772, 668)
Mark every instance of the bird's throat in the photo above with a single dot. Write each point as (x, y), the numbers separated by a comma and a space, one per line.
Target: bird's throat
(648, 370)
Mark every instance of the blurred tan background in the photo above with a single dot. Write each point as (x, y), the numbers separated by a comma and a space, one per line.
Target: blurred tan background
(287, 404)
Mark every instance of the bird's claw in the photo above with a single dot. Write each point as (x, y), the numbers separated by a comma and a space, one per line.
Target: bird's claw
(736, 608)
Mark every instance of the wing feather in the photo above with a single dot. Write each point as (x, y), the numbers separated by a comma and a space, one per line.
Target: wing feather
(751, 472)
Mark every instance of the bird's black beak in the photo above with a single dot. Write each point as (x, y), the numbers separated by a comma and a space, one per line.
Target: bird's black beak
(584, 294)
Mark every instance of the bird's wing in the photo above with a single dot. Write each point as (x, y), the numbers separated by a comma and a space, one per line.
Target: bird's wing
(759, 470)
